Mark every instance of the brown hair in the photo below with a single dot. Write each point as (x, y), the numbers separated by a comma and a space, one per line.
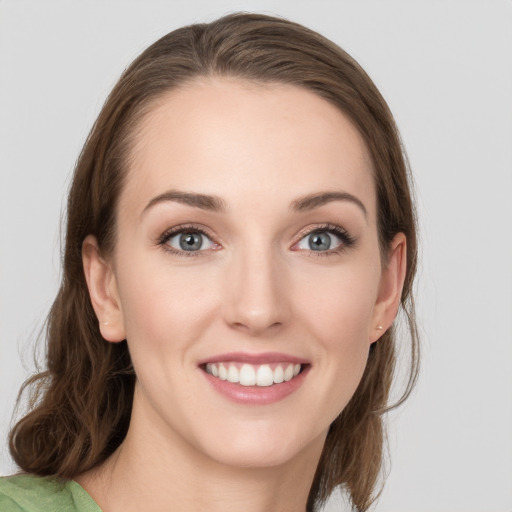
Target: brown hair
(81, 405)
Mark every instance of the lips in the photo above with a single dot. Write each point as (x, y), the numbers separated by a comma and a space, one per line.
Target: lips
(255, 379)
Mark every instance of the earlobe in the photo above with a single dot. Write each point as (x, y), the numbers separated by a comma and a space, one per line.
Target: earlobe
(101, 282)
(390, 289)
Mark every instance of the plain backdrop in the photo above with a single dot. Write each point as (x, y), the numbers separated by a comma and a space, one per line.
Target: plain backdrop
(445, 68)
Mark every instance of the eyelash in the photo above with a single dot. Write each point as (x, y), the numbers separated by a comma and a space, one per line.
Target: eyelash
(347, 241)
(177, 230)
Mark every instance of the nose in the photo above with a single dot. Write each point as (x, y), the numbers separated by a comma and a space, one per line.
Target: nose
(255, 299)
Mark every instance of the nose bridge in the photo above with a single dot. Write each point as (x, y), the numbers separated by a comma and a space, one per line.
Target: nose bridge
(255, 300)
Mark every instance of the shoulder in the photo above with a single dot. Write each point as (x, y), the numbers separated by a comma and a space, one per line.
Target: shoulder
(31, 493)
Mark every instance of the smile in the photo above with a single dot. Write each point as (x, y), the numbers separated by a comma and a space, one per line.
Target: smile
(255, 379)
(261, 375)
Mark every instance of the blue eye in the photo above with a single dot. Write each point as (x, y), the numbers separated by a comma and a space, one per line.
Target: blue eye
(188, 241)
(319, 241)
(328, 239)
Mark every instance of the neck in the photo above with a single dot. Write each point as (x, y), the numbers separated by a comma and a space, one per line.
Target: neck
(154, 472)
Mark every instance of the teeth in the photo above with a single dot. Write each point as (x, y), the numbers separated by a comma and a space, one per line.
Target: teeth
(265, 376)
(223, 373)
(279, 374)
(254, 375)
(233, 374)
(247, 375)
(288, 373)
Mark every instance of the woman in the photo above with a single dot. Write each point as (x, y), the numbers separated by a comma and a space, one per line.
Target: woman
(240, 238)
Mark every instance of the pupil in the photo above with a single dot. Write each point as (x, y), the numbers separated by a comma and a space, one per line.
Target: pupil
(319, 241)
(191, 241)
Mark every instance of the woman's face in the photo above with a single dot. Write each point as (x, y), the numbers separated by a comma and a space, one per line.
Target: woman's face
(247, 250)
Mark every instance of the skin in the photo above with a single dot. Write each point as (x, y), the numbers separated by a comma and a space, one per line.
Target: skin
(256, 287)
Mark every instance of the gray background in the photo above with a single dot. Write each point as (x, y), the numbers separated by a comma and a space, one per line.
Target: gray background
(445, 68)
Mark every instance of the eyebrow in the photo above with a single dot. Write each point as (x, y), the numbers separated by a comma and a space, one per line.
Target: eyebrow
(202, 201)
(217, 204)
(313, 201)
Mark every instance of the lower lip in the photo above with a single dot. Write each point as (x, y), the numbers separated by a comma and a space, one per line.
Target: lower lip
(256, 395)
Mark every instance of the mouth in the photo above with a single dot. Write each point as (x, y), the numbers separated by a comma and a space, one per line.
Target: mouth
(255, 379)
(259, 375)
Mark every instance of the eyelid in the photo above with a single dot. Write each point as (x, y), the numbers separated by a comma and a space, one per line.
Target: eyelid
(346, 240)
(342, 234)
(170, 233)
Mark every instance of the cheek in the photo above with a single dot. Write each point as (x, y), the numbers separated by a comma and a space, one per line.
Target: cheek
(337, 311)
(162, 303)
(165, 312)
(338, 305)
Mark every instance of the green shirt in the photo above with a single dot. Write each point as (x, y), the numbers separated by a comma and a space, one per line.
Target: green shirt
(30, 493)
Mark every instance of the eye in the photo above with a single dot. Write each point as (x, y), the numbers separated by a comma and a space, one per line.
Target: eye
(187, 240)
(319, 241)
(326, 239)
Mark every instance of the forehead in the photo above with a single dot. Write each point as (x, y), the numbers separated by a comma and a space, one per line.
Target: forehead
(243, 140)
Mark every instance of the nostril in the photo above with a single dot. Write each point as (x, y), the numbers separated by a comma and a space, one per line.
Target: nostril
(255, 327)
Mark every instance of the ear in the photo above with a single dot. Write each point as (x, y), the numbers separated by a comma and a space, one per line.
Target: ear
(102, 285)
(390, 289)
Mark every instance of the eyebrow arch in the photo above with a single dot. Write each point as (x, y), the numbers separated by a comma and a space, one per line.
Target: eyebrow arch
(313, 201)
(202, 201)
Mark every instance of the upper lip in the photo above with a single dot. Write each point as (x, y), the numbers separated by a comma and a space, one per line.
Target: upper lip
(263, 358)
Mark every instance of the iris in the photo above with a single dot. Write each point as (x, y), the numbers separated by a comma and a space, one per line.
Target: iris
(191, 241)
(319, 241)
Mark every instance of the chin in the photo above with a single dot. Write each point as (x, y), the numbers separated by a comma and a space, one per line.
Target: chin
(264, 447)
(255, 457)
